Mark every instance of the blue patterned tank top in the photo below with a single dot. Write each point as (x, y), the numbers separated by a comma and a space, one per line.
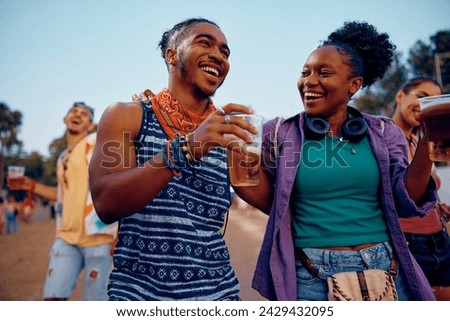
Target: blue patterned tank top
(173, 248)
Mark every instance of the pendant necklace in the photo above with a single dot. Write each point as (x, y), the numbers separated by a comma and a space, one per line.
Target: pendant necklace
(352, 150)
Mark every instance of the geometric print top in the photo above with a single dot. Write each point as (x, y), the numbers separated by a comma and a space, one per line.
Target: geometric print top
(173, 248)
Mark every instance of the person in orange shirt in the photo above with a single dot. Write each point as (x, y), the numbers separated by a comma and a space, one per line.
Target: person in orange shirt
(78, 245)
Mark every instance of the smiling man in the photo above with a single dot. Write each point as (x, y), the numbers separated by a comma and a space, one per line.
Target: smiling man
(77, 245)
(160, 169)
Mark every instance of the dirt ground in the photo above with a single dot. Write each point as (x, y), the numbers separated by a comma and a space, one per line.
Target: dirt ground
(24, 256)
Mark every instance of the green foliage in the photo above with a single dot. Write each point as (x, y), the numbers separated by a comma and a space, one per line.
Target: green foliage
(36, 166)
(56, 147)
(421, 59)
(430, 59)
(378, 99)
(10, 121)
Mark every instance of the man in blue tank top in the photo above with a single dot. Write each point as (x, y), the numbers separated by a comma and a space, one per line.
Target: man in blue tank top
(160, 170)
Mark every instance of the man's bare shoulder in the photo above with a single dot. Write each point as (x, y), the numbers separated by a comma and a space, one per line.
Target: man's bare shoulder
(125, 107)
(122, 115)
(123, 111)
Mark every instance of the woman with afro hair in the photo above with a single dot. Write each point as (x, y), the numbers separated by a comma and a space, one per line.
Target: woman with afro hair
(337, 180)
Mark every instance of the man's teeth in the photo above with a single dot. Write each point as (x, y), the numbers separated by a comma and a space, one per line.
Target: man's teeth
(211, 70)
(313, 95)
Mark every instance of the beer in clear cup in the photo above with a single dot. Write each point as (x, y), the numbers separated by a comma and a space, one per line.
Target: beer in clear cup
(244, 159)
(15, 177)
(436, 123)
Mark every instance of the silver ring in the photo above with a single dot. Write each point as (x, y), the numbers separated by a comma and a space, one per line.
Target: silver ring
(227, 119)
(220, 110)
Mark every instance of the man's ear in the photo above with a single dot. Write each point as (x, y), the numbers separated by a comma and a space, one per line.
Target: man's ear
(355, 85)
(92, 127)
(171, 56)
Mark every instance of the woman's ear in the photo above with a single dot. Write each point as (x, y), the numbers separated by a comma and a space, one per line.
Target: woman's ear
(399, 97)
(355, 85)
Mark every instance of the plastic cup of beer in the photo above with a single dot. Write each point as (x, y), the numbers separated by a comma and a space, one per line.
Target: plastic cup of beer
(436, 122)
(15, 176)
(244, 159)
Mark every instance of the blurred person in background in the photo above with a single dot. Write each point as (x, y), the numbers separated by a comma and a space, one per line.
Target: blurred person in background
(2, 215)
(11, 214)
(427, 236)
(82, 242)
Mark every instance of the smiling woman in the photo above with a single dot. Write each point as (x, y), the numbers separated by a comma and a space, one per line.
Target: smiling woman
(339, 205)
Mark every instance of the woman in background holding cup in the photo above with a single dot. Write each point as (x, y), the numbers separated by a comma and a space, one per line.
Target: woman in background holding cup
(427, 236)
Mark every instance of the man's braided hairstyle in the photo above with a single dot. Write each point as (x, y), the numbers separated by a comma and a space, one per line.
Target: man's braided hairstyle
(173, 37)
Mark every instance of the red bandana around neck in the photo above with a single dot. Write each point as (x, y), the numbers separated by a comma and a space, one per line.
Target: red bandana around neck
(174, 119)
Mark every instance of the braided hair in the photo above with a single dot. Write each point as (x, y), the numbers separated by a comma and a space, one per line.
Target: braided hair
(173, 37)
(366, 50)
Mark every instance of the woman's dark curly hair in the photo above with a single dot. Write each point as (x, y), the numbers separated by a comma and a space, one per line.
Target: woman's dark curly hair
(174, 36)
(367, 51)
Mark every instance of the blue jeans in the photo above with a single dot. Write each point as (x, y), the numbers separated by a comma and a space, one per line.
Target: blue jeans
(311, 288)
(66, 263)
(432, 252)
(11, 223)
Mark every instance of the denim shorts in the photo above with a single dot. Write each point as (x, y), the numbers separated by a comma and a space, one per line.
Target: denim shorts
(432, 252)
(329, 262)
(66, 263)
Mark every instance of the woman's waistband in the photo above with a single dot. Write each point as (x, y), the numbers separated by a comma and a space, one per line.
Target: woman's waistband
(434, 236)
(349, 248)
(371, 251)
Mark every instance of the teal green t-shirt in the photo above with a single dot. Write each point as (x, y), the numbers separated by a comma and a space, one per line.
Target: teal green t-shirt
(335, 200)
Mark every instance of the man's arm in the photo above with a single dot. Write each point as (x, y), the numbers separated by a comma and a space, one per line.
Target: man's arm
(28, 184)
(119, 188)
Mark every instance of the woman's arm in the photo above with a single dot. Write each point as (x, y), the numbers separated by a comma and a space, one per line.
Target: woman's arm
(261, 196)
(419, 172)
(410, 200)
